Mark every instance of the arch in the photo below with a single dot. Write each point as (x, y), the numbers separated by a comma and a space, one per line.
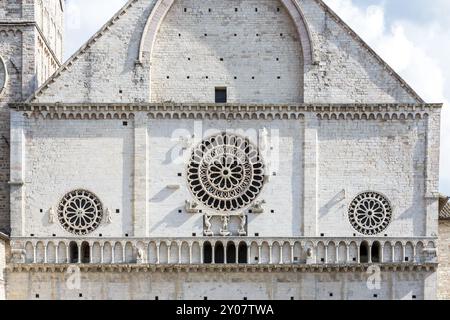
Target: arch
(173, 259)
(73, 252)
(152, 253)
(85, 252)
(409, 252)
(5, 79)
(207, 253)
(286, 253)
(163, 253)
(51, 253)
(387, 252)
(40, 252)
(320, 252)
(118, 253)
(376, 252)
(242, 253)
(331, 250)
(62, 253)
(219, 253)
(107, 253)
(342, 252)
(364, 252)
(398, 252)
(29, 253)
(196, 253)
(96, 253)
(185, 256)
(265, 252)
(162, 7)
(276, 253)
(297, 252)
(353, 252)
(254, 253)
(129, 253)
(231, 252)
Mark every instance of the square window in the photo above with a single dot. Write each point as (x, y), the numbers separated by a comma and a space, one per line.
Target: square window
(126, 235)
(322, 260)
(179, 174)
(100, 235)
(221, 95)
(250, 211)
(54, 235)
(406, 259)
(245, 299)
(180, 211)
(256, 234)
(414, 297)
(32, 235)
(80, 295)
(205, 298)
(41, 210)
(194, 234)
(125, 123)
(156, 298)
(272, 211)
(256, 258)
(37, 295)
(331, 294)
(322, 234)
(292, 299)
(375, 296)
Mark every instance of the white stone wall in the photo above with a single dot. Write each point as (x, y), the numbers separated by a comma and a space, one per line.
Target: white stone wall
(2, 269)
(62, 156)
(249, 47)
(283, 193)
(233, 286)
(383, 156)
(342, 68)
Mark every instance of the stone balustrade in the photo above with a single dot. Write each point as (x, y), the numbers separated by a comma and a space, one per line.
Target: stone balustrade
(225, 250)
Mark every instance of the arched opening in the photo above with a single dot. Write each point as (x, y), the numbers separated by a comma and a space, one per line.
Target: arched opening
(85, 253)
(376, 252)
(242, 253)
(219, 256)
(207, 252)
(231, 253)
(73, 252)
(364, 253)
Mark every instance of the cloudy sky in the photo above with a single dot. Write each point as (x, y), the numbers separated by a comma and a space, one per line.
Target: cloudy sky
(413, 36)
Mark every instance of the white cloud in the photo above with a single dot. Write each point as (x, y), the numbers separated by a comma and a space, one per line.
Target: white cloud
(84, 18)
(418, 52)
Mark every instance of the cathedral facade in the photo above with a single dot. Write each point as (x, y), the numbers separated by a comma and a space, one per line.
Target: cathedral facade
(239, 149)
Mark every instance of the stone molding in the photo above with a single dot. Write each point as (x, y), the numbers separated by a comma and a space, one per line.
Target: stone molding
(227, 111)
(129, 268)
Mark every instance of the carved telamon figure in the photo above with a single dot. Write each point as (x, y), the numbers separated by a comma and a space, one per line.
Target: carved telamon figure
(51, 216)
(140, 256)
(208, 232)
(224, 231)
(108, 216)
(242, 228)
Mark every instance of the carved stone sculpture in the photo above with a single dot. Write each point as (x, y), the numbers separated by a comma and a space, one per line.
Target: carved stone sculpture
(242, 227)
(51, 216)
(258, 206)
(191, 207)
(208, 232)
(108, 216)
(224, 231)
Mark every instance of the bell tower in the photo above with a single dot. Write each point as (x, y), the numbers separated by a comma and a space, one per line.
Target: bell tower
(31, 49)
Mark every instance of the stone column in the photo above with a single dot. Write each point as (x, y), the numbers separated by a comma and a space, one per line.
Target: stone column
(140, 193)
(310, 187)
(17, 179)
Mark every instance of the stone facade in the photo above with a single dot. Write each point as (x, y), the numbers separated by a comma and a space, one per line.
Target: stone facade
(331, 184)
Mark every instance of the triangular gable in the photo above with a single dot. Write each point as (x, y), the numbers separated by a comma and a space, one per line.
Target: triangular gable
(110, 71)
